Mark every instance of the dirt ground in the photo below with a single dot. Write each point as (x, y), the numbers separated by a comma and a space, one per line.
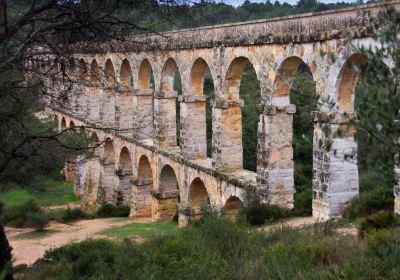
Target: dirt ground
(29, 246)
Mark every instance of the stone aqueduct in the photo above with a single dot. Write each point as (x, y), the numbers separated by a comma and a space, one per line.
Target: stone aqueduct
(140, 163)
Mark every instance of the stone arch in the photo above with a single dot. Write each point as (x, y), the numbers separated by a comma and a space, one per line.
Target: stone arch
(71, 124)
(283, 80)
(232, 207)
(83, 73)
(347, 81)
(125, 74)
(108, 103)
(94, 100)
(109, 73)
(141, 206)
(123, 194)
(144, 101)
(234, 115)
(145, 75)
(281, 156)
(197, 74)
(167, 116)
(124, 114)
(193, 118)
(233, 77)
(168, 71)
(198, 197)
(106, 190)
(94, 72)
(63, 123)
(166, 200)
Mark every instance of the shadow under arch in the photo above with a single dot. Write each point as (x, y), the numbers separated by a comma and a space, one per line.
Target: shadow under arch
(125, 74)
(63, 123)
(166, 200)
(197, 198)
(142, 188)
(107, 186)
(232, 207)
(123, 194)
(145, 75)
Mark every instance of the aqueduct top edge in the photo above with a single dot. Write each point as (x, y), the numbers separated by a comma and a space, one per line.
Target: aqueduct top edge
(309, 27)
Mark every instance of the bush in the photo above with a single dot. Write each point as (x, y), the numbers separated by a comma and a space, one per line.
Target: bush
(381, 220)
(256, 213)
(383, 243)
(109, 210)
(372, 180)
(37, 220)
(28, 214)
(370, 202)
(73, 215)
(303, 203)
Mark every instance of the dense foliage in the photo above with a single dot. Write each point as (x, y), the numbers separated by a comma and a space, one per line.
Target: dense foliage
(221, 249)
(203, 13)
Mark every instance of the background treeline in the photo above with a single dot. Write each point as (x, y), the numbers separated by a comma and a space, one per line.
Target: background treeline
(203, 13)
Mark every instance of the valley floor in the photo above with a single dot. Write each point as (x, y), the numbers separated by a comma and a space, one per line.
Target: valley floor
(29, 245)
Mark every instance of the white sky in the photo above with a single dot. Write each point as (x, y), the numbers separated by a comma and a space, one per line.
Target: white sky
(239, 2)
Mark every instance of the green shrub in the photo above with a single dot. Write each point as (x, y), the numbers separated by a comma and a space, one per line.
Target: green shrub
(218, 248)
(303, 203)
(371, 180)
(37, 220)
(28, 214)
(370, 202)
(381, 220)
(255, 212)
(384, 243)
(74, 214)
(109, 210)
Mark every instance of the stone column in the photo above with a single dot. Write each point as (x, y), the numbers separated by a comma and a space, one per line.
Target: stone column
(193, 133)
(164, 205)
(108, 107)
(227, 134)
(107, 185)
(143, 119)
(94, 102)
(124, 111)
(275, 159)
(396, 190)
(91, 169)
(123, 194)
(82, 106)
(141, 205)
(74, 99)
(335, 170)
(79, 183)
(165, 119)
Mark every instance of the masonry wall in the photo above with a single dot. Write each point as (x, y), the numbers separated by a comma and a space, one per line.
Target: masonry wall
(335, 179)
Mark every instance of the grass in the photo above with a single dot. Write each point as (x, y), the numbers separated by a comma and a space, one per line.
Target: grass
(217, 249)
(146, 230)
(47, 192)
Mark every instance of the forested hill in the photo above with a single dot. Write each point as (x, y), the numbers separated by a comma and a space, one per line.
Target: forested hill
(211, 13)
